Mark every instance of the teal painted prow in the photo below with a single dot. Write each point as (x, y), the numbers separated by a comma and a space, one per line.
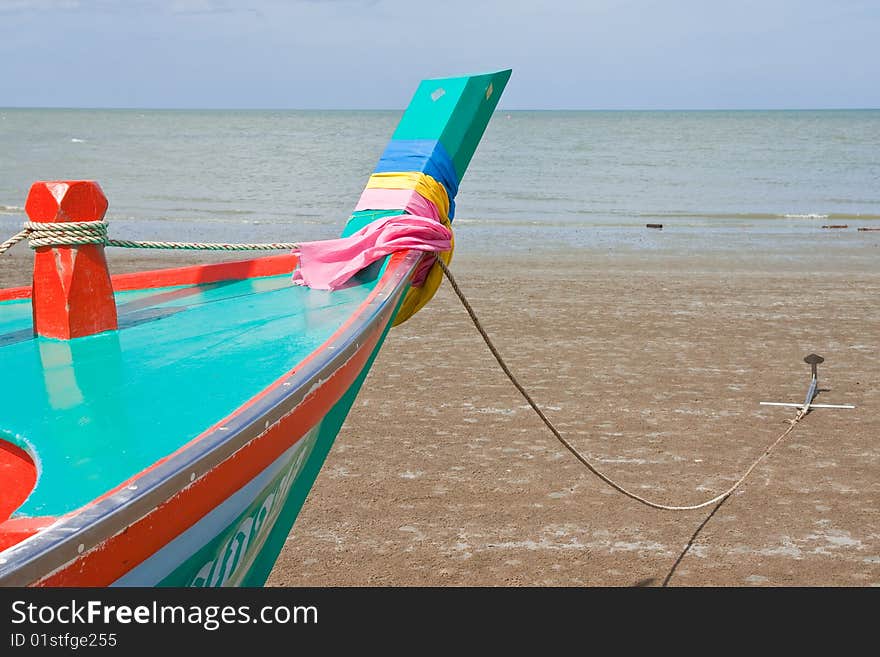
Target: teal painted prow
(455, 112)
(438, 134)
(203, 421)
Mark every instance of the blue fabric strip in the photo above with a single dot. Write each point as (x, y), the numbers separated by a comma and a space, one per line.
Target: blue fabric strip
(425, 155)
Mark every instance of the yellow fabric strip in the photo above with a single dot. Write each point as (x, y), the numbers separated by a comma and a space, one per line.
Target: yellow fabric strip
(417, 297)
(420, 182)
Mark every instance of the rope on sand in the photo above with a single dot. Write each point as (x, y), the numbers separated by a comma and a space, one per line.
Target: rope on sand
(654, 505)
(72, 233)
(95, 232)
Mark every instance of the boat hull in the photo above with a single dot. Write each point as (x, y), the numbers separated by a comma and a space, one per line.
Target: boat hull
(175, 445)
(237, 543)
(217, 512)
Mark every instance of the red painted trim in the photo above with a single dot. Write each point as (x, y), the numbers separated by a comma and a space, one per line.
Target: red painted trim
(19, 475)
(210, 273)
(111, 559)
(73, 295)
(114, 557)
(190, 275)
(72, 292)
(16, 530)
(393, 263)
(13, 293)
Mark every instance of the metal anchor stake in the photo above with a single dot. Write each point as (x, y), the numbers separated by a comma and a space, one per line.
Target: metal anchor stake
(813, 361)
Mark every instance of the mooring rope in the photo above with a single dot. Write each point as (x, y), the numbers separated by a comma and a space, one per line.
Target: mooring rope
(12, 241)
(638, 498)
(95, 232)
(72, 233)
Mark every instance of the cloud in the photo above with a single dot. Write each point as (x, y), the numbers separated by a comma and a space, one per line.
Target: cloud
(367, 53)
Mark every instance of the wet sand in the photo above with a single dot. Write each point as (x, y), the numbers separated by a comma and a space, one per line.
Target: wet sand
(653, 365)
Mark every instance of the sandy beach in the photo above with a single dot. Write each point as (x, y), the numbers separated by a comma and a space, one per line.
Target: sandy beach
(653, 365)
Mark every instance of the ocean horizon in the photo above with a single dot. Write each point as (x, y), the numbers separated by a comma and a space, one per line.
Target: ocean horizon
(541, 179)
(830, 108)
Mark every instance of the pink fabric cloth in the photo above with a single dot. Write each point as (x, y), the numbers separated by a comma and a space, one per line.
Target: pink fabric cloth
(329, 264)
(397, 199)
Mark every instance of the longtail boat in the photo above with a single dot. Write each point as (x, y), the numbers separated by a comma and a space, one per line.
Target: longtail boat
(164, 427)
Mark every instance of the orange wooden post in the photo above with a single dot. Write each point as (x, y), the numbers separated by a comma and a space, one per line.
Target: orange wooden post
(72, 292)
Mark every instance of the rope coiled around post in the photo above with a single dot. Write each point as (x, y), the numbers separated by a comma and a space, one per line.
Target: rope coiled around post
(95, 232)
(68, 233)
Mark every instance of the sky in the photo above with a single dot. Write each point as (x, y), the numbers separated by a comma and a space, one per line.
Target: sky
(370, 54)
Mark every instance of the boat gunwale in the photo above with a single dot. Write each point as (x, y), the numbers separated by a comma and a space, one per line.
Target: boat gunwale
(187, 275)
(52, 548)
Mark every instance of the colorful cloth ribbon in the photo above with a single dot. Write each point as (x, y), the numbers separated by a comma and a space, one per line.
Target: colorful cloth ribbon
(426, 155)
(425, 226)
(422, 183)
(330, 264)
(395, 199)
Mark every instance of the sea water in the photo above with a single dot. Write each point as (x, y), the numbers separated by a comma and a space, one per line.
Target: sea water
(548, 180)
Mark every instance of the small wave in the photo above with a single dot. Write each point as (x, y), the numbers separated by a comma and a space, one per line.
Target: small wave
(755, 215)
(857, 216)
(11, 209)
(74, 140)
(217, 211)
(708, 215)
